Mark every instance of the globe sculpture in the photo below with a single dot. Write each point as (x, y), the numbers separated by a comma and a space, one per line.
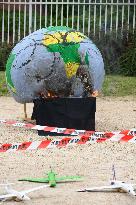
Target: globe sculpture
(57, 60)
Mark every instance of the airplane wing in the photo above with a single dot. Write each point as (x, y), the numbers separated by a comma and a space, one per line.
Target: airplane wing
(58, 180)
(126, 187)
(6, 184)
(6, 197)
(100, 189)
(40, 180)
(134, 185)
(68, 179)
(34, 189)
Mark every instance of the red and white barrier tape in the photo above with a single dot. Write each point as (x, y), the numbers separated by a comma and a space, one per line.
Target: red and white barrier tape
(65, 142)
(65, 130)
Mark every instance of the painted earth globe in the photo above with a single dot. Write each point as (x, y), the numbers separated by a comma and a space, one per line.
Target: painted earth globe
(57, 60)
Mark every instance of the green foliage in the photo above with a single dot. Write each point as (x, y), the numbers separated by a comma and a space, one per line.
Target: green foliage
(5, 50)
(127, 60)
(3, 86)
(111, 48)
(119, 53)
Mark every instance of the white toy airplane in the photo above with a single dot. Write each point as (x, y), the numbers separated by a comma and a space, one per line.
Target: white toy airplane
(117, 186)
(18, 195)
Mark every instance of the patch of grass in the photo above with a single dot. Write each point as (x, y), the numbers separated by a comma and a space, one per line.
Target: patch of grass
(117, 85)
(114, 85)
(3, 86)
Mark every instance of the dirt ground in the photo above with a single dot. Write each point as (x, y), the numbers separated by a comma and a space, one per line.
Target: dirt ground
(93, 162)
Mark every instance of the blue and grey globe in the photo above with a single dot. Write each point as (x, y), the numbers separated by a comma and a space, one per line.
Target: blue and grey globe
(57, 60)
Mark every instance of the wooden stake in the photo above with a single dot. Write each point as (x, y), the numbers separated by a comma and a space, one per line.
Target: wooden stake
(25, 113)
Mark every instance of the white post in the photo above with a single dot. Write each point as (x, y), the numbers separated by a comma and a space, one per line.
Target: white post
(84, 17)
(128, 15)
(106, 17)
(19, 8)
(56, 12)
(134, 18)
(40, 14)
(46, 13)
(35, 10)
(94, 17)
(8, 20)
(67, 11)
(25, 19)
(51, 14)
(62, 14)
(78, 15)
(89, 19)
(122, 19)
(117, 18)
(30, 16)
(73, 14)
(100, 20)
(111, 15)
(3, 16)
(14, 23)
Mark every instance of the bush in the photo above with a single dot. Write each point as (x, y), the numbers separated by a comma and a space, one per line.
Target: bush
(5, 50)
(111, 48)
(127, 60)
(119, 53)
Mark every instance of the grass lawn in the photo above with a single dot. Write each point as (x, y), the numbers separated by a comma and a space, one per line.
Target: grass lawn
(117, 85)
(114, 85)
(3, 86)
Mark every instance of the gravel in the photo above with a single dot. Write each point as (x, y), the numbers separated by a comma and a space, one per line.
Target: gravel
(93, 162)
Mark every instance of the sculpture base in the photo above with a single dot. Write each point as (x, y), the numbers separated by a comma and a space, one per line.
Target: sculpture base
(77, 113)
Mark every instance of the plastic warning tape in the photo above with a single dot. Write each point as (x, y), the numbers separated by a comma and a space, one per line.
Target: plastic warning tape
(64, 142)
(65, 130)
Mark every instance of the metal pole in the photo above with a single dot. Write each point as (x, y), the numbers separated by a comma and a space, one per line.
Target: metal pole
(30, 16)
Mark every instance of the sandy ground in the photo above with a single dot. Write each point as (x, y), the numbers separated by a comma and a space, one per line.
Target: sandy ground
(93, 162)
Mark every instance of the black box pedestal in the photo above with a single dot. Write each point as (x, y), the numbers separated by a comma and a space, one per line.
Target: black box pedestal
(77, 113)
